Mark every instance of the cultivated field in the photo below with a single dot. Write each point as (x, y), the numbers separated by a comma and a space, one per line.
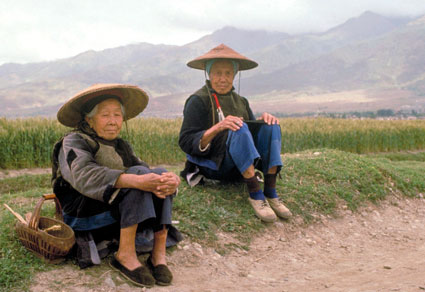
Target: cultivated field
(28, 143)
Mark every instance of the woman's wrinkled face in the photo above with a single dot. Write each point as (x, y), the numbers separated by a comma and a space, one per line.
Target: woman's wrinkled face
(221, 76)
(108, 119)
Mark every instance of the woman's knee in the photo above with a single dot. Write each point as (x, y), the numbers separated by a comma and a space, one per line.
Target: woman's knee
(133, 197)
(272, 129)
(158, 170)
(244, 130)
(139, 169)
(269, 133)
(243, 134)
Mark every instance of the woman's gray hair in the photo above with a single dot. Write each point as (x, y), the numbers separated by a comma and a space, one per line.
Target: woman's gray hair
(94, 111)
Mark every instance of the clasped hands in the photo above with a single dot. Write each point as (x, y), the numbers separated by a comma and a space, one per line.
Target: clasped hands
(161, 185)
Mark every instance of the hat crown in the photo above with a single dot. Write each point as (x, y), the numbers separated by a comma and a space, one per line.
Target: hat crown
(220, 48)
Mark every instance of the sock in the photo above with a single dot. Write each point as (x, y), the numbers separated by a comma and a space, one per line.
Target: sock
(270, 193)
(259, 195)
(254, 189)
(270, 186)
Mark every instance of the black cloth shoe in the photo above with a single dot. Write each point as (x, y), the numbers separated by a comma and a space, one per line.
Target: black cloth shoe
(161, 273)
(140, 276)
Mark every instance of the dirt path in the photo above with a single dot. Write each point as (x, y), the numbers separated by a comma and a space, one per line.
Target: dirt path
(379, 249)
(24, 171)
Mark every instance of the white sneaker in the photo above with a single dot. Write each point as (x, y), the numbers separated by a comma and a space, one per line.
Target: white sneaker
(279, 208)
(262, 210)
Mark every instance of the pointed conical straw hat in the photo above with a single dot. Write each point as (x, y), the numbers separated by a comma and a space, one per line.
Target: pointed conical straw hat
(222, 52)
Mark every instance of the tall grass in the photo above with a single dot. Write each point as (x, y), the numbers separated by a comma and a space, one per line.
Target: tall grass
(155, 140)
(356, 136)
(29, 142)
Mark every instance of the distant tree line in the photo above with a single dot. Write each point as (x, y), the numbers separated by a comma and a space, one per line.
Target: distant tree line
(381, 113)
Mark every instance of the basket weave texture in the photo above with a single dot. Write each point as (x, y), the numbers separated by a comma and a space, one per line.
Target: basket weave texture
(52, 245)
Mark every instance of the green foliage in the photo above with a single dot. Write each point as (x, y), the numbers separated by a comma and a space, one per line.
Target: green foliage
(17, 265)
(406, 177)
(205, 210)
(318, 181)
(313, 182)
(29, 142)
(400, 156)
(356, 136)
(23, 183)
(154, 140)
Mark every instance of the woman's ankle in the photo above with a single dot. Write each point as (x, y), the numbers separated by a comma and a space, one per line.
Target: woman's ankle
(128, 260)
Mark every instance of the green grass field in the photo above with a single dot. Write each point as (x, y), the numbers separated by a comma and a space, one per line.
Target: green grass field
(314, 181)
(29, 142)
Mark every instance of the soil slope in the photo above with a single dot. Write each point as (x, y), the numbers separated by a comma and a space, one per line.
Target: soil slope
(380, 248)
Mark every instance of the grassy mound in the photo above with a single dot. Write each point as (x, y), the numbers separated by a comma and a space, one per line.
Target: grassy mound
(312, 182)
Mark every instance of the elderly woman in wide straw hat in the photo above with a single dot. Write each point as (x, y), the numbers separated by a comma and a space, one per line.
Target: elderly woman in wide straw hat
(103, 187)
(223, 140)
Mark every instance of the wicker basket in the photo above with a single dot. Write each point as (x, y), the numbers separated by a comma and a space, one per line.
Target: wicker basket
(52, 245)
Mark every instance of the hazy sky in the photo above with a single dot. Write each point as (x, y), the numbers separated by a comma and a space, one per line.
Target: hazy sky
(33, 31)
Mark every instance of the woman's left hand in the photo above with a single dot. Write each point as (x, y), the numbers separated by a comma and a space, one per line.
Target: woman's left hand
(169, 183)
(269, 119)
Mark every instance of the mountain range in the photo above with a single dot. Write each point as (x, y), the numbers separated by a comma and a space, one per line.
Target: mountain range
(368, 63)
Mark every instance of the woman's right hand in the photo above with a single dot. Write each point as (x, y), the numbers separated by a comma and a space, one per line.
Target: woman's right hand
(230, 123)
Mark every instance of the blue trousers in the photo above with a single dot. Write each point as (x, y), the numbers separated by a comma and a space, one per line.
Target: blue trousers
(255, 144)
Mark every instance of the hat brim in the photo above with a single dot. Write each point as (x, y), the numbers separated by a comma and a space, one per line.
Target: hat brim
(133, 99)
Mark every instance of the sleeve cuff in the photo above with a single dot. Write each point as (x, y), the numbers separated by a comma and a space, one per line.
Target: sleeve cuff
(205, 148)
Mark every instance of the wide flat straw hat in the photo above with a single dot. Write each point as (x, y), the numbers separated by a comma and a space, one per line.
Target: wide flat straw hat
(222, 52)
(132, 98)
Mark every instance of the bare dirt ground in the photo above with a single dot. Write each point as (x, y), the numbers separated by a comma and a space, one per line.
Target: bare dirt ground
(17, 172)
(379, 248)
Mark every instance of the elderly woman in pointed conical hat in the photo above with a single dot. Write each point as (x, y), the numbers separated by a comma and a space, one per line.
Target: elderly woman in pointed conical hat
(222, 138)
(105, 188)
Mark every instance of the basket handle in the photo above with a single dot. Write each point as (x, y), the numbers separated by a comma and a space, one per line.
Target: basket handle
(35, 217)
